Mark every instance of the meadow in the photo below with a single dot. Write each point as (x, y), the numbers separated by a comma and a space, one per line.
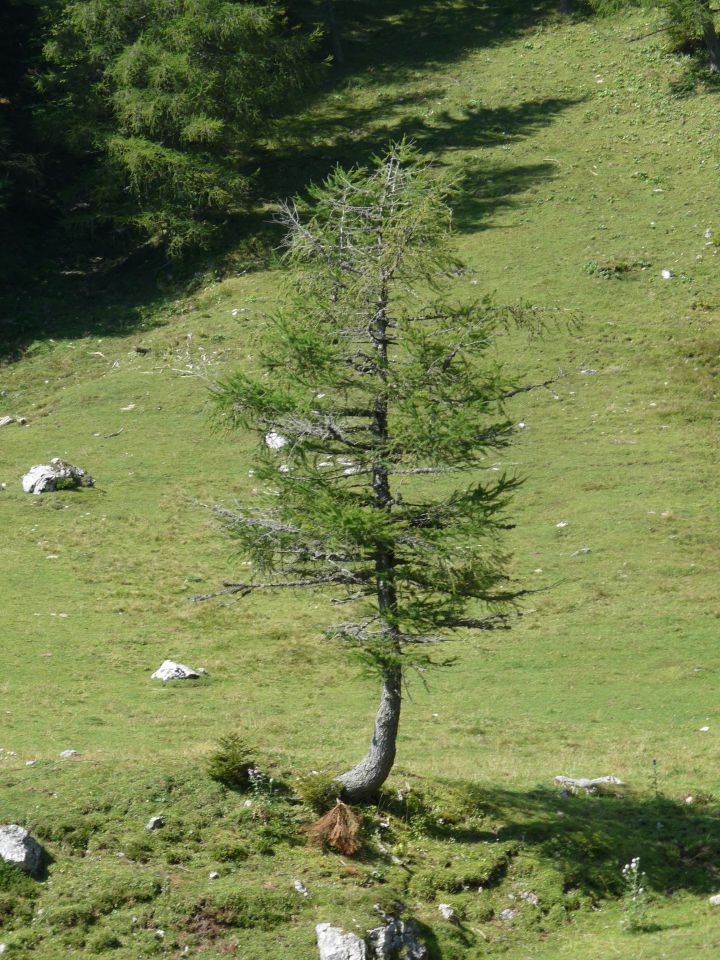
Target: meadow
(588, 165)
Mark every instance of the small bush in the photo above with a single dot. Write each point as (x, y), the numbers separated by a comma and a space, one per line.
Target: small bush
(319, 791)
(231, 763)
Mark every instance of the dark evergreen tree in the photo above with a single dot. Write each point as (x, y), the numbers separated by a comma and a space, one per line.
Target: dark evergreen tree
(381, 401)
(161, 104)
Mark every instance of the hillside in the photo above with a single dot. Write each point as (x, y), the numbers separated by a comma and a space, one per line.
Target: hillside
(586, 172)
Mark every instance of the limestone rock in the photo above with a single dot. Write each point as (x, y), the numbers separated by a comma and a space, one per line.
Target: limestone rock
(334, 944)
(18, 847)
(56, 475)
(169, 670)
(714, 901)
(398, 939)
(155, 823)
(69, 754)
(6, 421)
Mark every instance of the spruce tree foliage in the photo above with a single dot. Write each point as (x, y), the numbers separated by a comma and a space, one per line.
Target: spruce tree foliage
(161, 103)
(381, 401)
(684, 20)
(19, 167)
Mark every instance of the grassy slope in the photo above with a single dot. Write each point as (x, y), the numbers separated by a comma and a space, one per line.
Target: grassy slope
(572, 151)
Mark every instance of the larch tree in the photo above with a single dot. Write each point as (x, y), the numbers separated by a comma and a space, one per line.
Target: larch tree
(380, 403)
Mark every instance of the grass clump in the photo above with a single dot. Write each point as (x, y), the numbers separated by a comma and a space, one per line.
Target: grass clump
(319, 791)
(231, 763)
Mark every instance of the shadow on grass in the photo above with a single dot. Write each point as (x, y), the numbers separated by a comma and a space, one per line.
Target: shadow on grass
(55, 287)
(590, 838)
(390, 39)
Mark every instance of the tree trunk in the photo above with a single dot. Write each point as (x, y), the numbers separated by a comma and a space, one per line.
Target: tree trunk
(566, 7)
(364, 780)
(334, 33)
(713, 45)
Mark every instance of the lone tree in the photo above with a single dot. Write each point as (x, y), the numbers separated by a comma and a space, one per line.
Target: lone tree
(381, 400)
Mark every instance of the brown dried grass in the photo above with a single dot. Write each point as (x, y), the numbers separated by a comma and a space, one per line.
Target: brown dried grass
(338, 828)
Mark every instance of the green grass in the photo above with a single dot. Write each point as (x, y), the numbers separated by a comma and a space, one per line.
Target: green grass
(612, 666)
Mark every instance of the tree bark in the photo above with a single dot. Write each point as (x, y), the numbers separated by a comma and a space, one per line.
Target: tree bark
(334, 33)
(365, 779)
(713, 45)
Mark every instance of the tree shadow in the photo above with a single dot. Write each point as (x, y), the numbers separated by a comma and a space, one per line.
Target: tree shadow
(54, 286)
(392, 38)
(590, 838)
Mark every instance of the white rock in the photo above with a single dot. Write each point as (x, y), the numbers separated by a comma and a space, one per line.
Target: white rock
(301, 888)
(529, 897)
(667, 274)
(562, 524)
(704, 729)
(714, 901)
(169, 670)
(447, 912)
(275, 441)
(334, 944)
(18, 847)
(522, 425)
(6, 421)
(708, 234)
(215, 875)
(44, 477)
(155, 823)
(509, 913)
(3, 947)
(68, 754)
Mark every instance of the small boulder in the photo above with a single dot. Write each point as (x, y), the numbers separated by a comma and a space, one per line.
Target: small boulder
(155, 823)
(6, 421)
(56, 475)
(169, 670)
(714, 901)
(398, 939)
(18, 847)
(69, 754)
(334, 944)
(447, 912)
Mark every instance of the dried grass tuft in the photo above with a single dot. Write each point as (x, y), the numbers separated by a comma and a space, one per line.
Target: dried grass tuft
(338, 828)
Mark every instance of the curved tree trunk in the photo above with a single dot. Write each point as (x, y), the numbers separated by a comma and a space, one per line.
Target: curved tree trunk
(364, 780)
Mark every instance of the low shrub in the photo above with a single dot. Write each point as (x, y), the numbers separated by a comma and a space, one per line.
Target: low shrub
(319, 791)
(231, 763)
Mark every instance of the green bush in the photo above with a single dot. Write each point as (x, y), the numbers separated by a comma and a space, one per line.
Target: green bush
(231, 763)
(319, 791)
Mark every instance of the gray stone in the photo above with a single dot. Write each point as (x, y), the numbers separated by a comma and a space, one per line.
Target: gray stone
(18, 847)
(399, 938)
(69, 754)
(529, 897)
(215, 875)
(509, 913)
(169, 670)
(6, 421)
(714, 901)
(334, 944)
(447, 912)
(155, 823)
(45, 477)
